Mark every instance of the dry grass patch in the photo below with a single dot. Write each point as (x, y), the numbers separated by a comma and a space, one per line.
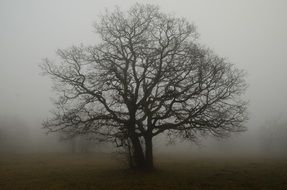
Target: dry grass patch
(64, 171)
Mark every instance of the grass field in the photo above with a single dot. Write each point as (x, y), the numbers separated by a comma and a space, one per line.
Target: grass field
(63, 171)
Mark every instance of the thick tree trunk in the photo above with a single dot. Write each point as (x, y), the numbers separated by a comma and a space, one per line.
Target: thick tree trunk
(142, 158)
(148, 153)
(138, 155)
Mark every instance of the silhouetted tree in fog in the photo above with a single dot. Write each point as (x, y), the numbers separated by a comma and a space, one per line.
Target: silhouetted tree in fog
(148, 75)
(13, 134)
(273, 138)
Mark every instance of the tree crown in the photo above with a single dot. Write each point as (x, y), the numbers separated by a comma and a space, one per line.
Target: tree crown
(148, 75)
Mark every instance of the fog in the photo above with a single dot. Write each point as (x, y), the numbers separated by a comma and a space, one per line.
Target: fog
(250, 34)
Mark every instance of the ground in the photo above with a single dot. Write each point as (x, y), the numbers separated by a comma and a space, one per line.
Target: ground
(100, 171)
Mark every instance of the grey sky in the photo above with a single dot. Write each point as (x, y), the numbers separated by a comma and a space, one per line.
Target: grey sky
(252, 34)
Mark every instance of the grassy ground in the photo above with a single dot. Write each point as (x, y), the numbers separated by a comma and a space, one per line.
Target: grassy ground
(62, 171)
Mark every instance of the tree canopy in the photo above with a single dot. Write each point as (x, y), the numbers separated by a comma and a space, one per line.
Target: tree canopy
(147, 75)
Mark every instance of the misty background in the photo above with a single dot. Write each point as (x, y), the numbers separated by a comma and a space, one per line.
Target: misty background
(250, 34)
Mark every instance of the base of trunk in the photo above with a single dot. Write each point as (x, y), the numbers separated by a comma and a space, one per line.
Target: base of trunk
(140, 156)
(143, 168)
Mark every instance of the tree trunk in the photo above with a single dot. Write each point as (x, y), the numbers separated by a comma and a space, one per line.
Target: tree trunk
(138, 155)
(148, 153)
(129, 154)
(142, 160)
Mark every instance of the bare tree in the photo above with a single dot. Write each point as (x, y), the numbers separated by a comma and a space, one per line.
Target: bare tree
(148, 75)
(273, 137)
(13, 134)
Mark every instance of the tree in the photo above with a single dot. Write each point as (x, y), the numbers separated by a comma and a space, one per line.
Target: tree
(147, 76)
(273, 137)
(13, 134)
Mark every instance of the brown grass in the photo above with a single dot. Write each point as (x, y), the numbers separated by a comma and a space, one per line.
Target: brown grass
(63, 171)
